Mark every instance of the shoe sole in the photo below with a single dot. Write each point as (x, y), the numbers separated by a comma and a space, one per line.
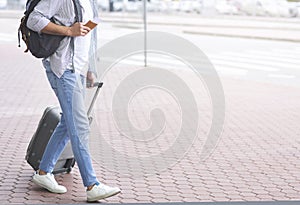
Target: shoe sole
(103, 197)
(45, 187)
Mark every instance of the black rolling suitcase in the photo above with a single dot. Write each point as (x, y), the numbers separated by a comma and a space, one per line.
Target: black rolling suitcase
(40, 139)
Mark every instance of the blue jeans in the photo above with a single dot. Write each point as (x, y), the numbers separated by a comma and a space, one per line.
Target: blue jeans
(74, 125)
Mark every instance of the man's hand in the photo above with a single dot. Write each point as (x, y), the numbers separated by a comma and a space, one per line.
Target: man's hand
(78, 29)
(90, 79)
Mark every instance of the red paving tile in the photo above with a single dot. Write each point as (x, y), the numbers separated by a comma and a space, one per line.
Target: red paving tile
(257, 157)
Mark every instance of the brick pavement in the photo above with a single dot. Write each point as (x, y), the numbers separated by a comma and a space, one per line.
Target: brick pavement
(256, 159)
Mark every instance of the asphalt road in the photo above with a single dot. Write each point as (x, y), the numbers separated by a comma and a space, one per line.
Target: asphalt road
(248, 59)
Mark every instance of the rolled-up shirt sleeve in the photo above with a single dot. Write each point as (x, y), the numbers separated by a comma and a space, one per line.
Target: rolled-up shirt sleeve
(40, 17)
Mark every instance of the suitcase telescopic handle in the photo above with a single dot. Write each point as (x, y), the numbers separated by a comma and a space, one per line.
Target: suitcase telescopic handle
(98, 85)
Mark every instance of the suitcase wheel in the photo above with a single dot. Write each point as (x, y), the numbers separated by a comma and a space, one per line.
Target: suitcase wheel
(69, 165)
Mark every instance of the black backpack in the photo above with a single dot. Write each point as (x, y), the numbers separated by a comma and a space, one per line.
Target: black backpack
(41, 45)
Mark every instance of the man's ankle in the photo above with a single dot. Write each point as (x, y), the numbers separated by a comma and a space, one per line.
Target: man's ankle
(89, 188)
(41, 172)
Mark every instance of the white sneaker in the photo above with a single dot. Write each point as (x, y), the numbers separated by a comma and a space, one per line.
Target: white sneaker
(48, 182)
(101, 191)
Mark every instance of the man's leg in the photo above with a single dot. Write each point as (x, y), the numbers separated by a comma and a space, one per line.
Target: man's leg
(70, 92)
(59, 137)
(55, 147)
(78, 129)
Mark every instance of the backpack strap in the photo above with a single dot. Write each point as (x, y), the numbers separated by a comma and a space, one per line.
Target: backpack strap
(78, 12)
(78, 18)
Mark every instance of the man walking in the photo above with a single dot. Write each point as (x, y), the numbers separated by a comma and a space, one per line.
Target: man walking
(67, 77)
